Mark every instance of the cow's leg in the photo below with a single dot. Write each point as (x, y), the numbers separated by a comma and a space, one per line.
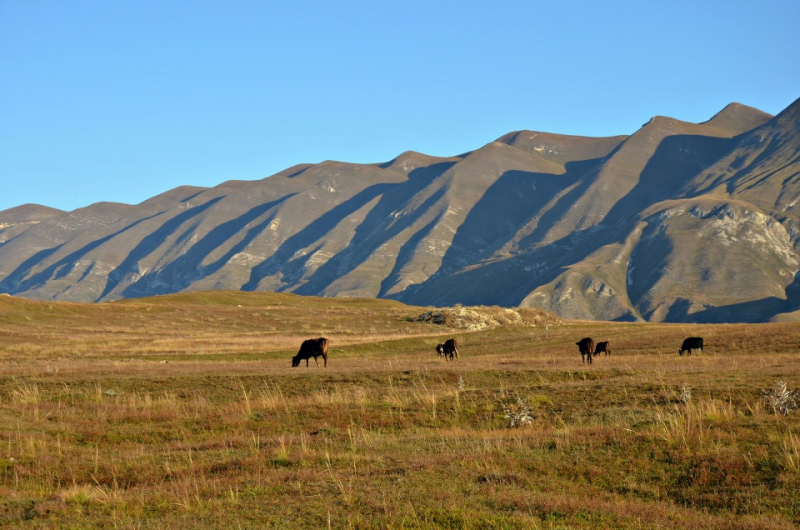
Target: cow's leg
(583, 358)
(456, 350)
(316, 361)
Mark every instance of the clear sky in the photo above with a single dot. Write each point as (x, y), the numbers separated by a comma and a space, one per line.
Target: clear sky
(120, 101)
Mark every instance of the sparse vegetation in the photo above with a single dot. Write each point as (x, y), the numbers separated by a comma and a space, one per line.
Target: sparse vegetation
(780, 399)
(686, 394)
(96, 431)
(517, 413)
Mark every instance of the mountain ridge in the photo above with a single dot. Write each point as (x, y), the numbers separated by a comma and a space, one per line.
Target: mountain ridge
(677, 221)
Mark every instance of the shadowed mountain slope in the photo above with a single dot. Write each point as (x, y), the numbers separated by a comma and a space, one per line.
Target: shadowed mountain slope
(678, 222)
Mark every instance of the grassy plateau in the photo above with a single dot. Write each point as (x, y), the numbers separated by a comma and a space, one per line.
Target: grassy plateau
(182, 411)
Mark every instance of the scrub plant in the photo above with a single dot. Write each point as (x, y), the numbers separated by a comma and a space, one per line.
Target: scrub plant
(780, 399)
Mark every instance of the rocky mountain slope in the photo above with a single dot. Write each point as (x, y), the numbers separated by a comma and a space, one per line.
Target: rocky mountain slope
(676, 222)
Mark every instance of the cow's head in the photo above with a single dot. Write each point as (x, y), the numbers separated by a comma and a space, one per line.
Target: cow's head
(295, 361)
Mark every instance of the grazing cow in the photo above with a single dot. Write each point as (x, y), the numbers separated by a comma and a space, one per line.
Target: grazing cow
(312, 348)
(586, 347)
(449, 348)
(691, 343)
(439, 350)
(602, 347)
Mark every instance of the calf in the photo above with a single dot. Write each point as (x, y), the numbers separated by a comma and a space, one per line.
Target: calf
(312, 348)
(691, 343)
(602, 347)
(586, 347)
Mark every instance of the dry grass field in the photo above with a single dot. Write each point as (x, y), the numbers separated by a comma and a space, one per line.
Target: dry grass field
(182, 411)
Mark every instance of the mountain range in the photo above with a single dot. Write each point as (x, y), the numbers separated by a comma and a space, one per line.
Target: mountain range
(681, 222)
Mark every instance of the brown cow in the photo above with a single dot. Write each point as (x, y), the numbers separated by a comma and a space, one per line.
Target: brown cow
(602, 347)
(312, 348)
(586, 347)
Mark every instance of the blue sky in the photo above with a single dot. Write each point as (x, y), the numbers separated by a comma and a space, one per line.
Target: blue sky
(120, 101)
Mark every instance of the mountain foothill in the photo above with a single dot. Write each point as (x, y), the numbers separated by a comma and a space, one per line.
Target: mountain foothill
(678, 222)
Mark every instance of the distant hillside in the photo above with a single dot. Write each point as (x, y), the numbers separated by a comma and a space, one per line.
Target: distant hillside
(677, 222)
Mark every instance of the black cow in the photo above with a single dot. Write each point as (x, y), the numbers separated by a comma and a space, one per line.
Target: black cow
(312, 348)
(448, 349)
(602, 347)
(586, 347)
(691, 343)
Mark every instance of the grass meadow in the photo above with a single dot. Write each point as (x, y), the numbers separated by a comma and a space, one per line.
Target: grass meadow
(183, 411)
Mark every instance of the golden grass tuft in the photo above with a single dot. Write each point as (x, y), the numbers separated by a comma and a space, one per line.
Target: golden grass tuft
(85, 494)
(26, 393)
